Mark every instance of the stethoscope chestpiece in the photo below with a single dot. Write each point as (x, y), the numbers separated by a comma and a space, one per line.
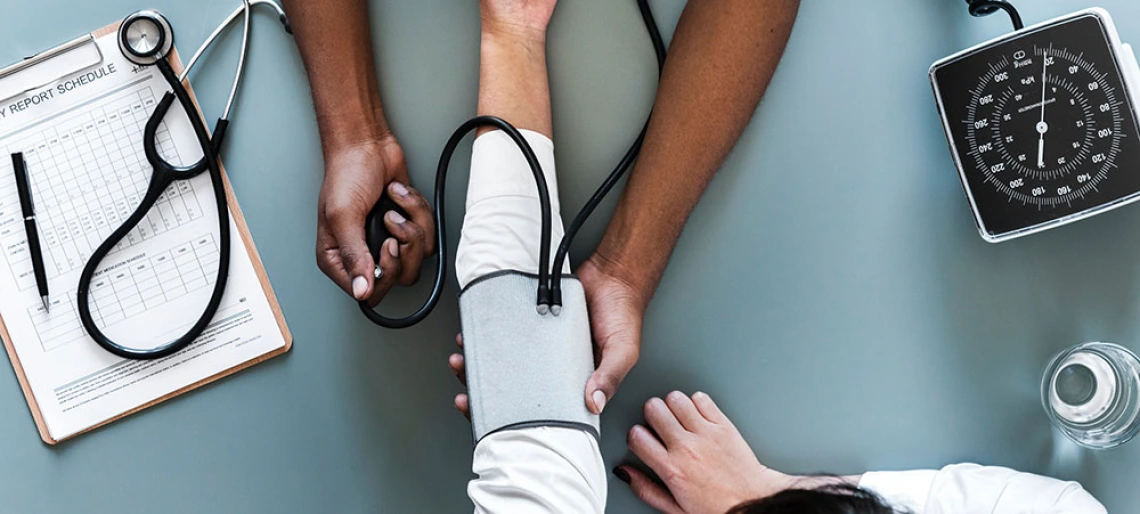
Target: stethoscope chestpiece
(145, 37)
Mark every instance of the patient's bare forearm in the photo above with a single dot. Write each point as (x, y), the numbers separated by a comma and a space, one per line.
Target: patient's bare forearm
(336, 46)
(512, 80)
(721, 59)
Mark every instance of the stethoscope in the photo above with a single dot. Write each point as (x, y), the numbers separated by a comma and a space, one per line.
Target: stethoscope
(549, 294)
(146, 38)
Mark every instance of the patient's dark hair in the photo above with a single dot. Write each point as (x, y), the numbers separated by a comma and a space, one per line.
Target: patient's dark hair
(829, 499)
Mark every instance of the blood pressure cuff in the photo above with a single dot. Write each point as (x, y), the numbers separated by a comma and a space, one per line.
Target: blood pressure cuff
(525, 369)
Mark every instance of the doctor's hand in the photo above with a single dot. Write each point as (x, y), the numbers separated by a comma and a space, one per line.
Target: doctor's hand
(616, 309)
(354, 179)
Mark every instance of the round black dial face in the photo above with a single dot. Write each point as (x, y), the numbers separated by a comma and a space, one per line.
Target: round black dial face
(1041, 126)
(1045, 129)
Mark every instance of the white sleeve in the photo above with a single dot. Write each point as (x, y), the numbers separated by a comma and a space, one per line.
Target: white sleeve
(503, 223)
(541, 469)
(970, 488)
(538, 470)
(902, 489)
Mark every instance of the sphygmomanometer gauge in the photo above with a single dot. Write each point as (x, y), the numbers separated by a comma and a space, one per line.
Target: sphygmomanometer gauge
(1042, 124)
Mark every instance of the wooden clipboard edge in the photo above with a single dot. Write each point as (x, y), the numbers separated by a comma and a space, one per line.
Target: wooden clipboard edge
(259, 268)
(24, 386)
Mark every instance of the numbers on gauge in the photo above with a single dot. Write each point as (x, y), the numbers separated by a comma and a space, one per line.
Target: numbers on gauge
(1047, 122)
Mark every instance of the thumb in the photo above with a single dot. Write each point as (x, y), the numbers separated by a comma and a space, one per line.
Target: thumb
(354, 254)
(616, 360)
(648, 491)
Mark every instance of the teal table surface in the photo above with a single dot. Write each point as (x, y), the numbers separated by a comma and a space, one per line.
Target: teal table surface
(830, 291)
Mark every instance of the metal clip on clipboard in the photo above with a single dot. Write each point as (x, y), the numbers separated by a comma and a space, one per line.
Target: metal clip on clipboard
(49, 66)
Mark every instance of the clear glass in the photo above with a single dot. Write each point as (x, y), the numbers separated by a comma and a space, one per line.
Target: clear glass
(1091, 393)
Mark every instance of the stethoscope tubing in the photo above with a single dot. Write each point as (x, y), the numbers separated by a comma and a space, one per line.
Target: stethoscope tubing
(164, 174)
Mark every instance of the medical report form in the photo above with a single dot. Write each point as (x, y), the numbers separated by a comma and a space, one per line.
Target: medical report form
(82, 138)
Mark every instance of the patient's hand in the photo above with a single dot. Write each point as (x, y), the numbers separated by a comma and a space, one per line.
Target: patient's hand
(517, 18)
(455, 362)
(706, 465)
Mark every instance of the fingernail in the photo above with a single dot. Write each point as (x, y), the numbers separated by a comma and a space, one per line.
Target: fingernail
(622, 474)
(399, 189)
(395, 217)
(393, 248)
(599, 400)
(359, 287)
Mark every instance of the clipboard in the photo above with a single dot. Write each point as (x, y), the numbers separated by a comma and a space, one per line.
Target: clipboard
(77, 55)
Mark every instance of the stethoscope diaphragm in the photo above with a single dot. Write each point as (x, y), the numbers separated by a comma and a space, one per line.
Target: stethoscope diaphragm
(145, 37)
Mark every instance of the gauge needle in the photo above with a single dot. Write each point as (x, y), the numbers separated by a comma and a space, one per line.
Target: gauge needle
(1042, 127)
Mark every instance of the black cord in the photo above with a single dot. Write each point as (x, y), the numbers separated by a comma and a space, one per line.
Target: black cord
(441, 228)
(549, 295)
(981, 8)
(615, 175)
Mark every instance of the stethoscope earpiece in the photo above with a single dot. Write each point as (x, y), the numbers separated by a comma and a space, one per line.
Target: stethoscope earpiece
(145, 37)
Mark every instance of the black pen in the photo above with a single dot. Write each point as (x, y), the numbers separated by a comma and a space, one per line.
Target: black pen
(29, 209)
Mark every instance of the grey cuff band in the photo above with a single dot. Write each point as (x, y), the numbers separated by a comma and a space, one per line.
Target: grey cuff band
(525, 369)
